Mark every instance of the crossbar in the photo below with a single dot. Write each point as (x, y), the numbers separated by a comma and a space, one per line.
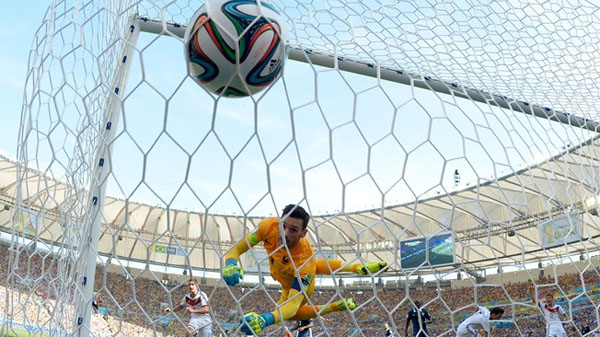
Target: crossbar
(399, 76)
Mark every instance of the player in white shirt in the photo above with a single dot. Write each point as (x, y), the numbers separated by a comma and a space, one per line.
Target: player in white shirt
(555, 316)
(478, 324)
(196, 303)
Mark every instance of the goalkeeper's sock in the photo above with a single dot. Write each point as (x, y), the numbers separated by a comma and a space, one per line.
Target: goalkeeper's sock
(329, 266)
(343, 305)
(326, 267)
(253, 323)
(268, 317)
(311, 311)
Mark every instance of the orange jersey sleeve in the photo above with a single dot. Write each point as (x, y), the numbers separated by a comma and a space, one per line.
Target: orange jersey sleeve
(262, 232)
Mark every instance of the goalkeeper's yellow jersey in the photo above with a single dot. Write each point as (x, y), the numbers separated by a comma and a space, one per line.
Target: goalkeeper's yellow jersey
(282, 268)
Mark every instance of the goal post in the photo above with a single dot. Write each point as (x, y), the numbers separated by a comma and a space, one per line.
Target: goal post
(88, 250)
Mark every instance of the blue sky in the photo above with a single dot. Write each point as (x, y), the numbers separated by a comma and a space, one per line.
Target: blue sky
(18, 24)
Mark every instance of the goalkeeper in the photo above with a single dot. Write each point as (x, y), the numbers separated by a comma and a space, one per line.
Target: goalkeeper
(295, 270)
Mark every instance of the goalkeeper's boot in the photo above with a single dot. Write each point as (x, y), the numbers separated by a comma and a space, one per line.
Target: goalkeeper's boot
(345, 304)
(371, 267)
(254, 324)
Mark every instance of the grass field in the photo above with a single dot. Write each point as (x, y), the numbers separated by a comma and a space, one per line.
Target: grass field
(441, 254)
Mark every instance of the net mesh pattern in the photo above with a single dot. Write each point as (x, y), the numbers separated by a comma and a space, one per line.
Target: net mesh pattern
(131, 178)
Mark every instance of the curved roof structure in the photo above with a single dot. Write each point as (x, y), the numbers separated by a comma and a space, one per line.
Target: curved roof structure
(481, 216)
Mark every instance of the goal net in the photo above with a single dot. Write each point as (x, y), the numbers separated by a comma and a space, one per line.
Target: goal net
(454, 140)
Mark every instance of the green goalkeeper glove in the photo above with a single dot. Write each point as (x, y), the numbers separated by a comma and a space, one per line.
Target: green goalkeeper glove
(232, 273)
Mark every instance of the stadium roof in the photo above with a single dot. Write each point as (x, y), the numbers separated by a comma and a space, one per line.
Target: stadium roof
(481, 215)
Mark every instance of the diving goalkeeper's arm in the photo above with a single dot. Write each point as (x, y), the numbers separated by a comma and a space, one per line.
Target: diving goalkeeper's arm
(233, 273)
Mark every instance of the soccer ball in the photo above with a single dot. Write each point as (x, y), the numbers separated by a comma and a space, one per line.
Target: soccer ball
(236, 48)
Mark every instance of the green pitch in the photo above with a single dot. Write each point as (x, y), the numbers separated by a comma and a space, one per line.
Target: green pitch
(441, 254)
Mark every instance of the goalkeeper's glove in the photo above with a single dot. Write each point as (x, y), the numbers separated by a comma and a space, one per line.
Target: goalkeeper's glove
(254, 324)
(371, 267)
(232, 273)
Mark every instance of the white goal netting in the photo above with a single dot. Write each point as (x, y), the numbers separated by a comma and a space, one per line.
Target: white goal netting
(455, 140)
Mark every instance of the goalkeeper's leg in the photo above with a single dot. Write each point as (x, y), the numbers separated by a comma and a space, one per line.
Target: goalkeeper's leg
(284, 295)
(311, 311)
(326, 267)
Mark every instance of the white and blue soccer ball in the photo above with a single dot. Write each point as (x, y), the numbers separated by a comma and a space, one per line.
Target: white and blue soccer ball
(236, 48)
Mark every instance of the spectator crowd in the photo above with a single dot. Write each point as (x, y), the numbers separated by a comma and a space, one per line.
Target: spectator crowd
(132, 305)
